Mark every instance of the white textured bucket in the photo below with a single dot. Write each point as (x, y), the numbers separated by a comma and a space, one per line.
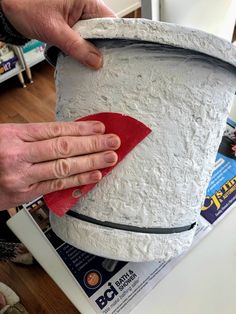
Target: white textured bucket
(179, 82)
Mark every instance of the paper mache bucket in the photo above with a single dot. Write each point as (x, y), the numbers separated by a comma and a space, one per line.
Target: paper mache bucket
(179, 82)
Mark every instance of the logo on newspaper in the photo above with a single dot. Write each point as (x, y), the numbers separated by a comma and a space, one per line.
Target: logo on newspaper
(108, 296)
(92, 279)
(125, 283)
(217, 203)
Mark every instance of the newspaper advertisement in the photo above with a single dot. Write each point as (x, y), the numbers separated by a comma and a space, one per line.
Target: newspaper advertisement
(117, 287)
(221, 192)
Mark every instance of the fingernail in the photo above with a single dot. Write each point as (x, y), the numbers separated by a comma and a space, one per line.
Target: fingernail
(94, 60)
(113, 141)
(96, 176)
(110, 157)
(98, 127)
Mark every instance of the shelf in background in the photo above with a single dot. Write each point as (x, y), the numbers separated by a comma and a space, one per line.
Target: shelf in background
(5, 76)
(33, 57)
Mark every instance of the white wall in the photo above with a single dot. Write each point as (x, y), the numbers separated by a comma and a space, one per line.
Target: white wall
(214, 16)
(123, 7)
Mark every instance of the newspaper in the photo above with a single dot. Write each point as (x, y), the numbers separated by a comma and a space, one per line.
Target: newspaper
(116, 286)
(221, 192)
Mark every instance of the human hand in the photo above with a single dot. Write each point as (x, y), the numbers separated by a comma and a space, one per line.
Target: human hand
(51, 22)
(40, 158)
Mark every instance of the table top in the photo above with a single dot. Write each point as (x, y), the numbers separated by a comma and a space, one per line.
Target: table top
(204, 281)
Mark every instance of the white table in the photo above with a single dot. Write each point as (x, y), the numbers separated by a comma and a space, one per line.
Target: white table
(204, 281)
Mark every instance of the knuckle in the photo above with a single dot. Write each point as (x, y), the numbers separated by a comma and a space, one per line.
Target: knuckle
(76, 128)
(54, 130)
(26, 189)
(58, 185)
(62, 147)
(7, 182)
(91, 163)
(81, 127)
(62, 168)
(12, 168)
(78, 180)
(7, 130)
(71, 46)
(8, 157)
(95, 144)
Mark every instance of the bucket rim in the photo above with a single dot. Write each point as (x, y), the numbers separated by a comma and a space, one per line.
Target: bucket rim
(154, 32)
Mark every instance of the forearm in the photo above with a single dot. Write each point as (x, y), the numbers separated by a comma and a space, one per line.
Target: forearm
(8, 33)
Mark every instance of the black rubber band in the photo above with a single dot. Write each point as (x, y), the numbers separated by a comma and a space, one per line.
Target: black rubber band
(113, 225)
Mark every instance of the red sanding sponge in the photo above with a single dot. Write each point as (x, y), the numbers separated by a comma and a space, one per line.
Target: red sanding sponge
(131, 133)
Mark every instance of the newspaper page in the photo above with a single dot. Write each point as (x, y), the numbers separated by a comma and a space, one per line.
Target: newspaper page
(221, 192)
(117, 287)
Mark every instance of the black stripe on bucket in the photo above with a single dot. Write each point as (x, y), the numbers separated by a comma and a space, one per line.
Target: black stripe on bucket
(113, 225)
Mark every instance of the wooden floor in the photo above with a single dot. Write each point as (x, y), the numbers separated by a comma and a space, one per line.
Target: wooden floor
(36, 103)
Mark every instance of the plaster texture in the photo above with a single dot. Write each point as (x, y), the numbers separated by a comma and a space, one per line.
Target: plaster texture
(184, 96)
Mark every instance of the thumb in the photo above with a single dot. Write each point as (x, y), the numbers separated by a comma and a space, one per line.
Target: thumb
(78, 48)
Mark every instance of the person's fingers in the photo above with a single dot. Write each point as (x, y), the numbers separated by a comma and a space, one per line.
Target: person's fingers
(63, 168)
(70, 42)
(42, 131)
(78, 48)
(75, 45)
(69, 146)
(49, 186)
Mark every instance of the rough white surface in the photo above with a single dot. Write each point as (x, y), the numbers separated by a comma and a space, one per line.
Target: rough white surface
(120, 245)
(159, 32)
(184, 98)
